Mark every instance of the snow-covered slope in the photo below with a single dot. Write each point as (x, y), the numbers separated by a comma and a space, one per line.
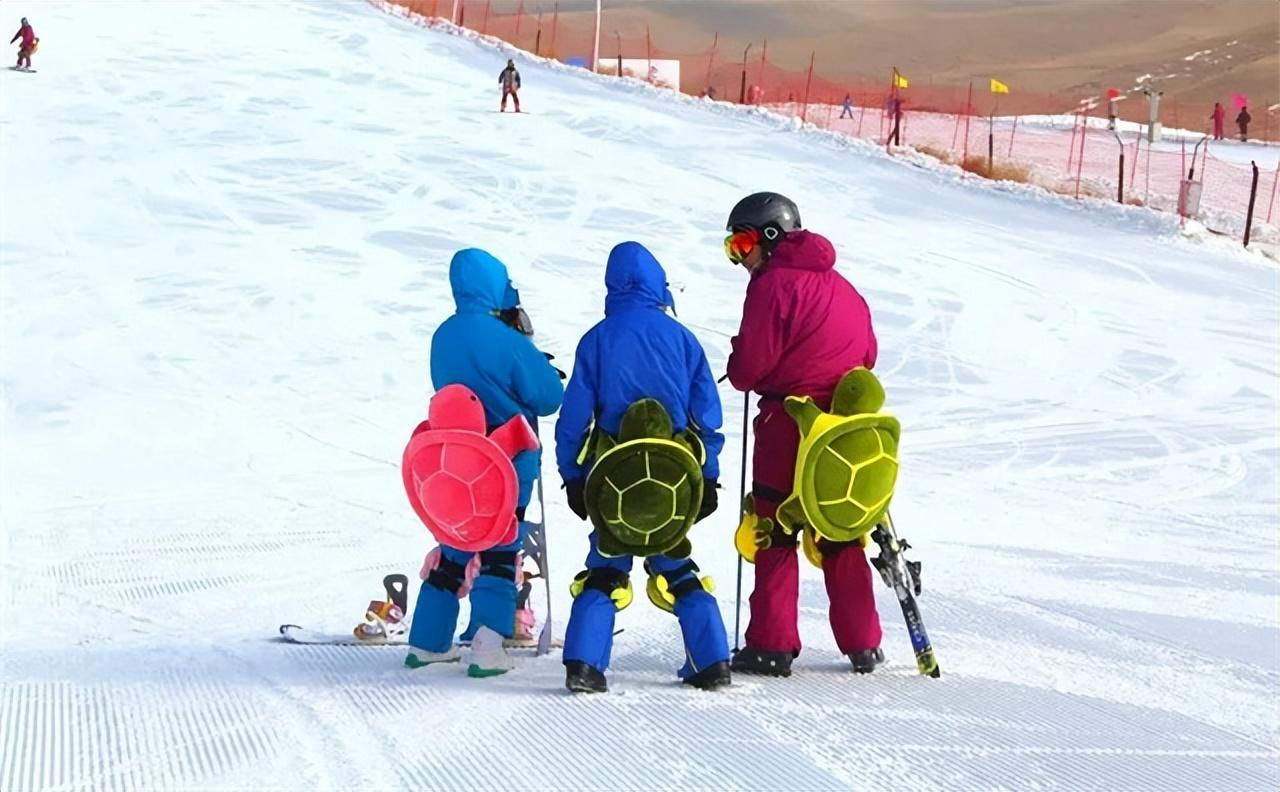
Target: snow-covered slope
(223, 240)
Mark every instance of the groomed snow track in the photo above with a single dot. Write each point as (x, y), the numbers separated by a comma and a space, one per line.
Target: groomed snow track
(223, 240)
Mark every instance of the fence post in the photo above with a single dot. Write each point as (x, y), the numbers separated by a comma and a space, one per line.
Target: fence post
(968, 105)
(484, 24)
(519, 17)
(462, 15)
(764, 52)
(555, 25)
(711, 58)
(1274, 181)
(648, 54)
(537, 40)
(991, 143)
(1071, 150)
(1253, 194)
(1012, 132)
(807, 83)
(1084, 135)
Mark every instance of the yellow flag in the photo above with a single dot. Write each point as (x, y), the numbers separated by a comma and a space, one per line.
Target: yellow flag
(999, 87)
(899, 81)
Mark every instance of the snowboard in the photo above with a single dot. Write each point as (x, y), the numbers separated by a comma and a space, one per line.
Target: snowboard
(296, 634)
(23, 71)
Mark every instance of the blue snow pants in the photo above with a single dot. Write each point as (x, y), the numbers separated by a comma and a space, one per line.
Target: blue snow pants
(493, 600)
(589, 637)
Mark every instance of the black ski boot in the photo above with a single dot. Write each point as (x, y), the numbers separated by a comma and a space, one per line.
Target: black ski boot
(865, 662)
(582, 678)
(755, 661)
(712, 677)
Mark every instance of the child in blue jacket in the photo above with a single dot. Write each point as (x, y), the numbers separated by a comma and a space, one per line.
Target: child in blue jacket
(638, 352)
(477, 348)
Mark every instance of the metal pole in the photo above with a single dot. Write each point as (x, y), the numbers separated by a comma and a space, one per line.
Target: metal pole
(742, 512)
(595, 52)
(454, 16)
(742, 92)
(1248, 218)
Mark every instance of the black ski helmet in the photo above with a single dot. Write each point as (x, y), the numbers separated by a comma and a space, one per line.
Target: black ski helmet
(764, 210)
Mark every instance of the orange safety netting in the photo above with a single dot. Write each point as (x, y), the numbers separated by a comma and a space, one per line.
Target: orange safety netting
(960, 123)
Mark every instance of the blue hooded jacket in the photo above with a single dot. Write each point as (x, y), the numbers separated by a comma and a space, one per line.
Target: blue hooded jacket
(637, 352)
(499, 363)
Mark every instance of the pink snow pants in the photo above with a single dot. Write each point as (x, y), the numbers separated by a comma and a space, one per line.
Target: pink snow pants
(774, 602)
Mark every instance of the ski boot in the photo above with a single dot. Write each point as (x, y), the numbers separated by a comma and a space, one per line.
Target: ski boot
(420, 658)
(488, 656)
(384, 619)
(712, 677)
(582, 678)
(755, 661)
(865, 662)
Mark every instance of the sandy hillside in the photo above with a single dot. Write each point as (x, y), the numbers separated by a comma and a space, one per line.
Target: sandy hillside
(1196, 50)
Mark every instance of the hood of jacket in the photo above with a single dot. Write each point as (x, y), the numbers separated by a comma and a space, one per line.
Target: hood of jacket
(480, 282)
(633, 278)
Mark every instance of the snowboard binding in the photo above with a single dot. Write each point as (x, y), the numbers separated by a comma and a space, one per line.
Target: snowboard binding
(385, 619)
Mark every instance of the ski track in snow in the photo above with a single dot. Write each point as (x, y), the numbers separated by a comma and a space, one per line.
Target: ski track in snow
(223, 250)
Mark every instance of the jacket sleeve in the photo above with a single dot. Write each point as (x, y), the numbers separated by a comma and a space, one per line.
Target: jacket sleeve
(759, 342)
(577, 412)
(873, 346)
(705, 415)
(537, 385)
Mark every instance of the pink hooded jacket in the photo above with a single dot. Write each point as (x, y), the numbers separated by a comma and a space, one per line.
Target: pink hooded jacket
(803, 325)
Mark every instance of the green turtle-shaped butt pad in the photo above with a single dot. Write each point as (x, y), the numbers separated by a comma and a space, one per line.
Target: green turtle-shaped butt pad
(858, 393)
(803, 411)
(645, 418)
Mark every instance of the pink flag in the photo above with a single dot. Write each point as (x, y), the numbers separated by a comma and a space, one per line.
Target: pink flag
(1112, 93)
(1240, 100)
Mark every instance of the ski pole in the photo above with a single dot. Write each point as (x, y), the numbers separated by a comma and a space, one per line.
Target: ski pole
(742, 512)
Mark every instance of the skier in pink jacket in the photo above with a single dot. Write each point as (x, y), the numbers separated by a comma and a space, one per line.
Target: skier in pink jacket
(803, 328)
(27, 47)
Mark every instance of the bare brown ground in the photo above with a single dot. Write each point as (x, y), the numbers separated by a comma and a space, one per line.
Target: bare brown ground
(1067, 47)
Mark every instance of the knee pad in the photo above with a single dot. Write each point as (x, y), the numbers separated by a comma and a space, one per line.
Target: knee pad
(448, 576)
(665, 588)
(615, 584)
(500, 564)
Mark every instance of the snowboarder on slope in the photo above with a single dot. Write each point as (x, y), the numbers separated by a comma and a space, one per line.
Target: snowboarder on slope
(509, 79)
(803, 328)
(28, 45)
(638, 352)
(481, 347)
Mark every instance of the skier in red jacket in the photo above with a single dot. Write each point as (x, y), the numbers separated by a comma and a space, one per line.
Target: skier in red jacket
(27, 46)
(803, 328)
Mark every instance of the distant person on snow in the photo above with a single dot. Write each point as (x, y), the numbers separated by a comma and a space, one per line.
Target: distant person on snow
(847, 110)
(1242, 121)
(1219, 117)
(509, 79)
(28, 45)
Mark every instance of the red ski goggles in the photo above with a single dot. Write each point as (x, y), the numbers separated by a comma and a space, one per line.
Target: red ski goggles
(739, 244)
